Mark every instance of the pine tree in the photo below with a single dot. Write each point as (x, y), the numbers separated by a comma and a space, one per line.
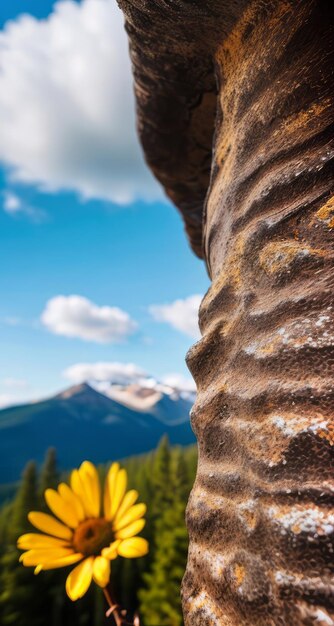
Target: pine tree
(5, 522)
(162, 491)
(25, 501)
(181, 475)
(49, 477)
(19, 599)
(160, 601)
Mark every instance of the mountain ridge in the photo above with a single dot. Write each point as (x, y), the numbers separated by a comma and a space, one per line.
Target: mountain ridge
(81, 422)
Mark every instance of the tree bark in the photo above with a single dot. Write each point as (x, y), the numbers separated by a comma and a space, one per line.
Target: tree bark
(260, 515)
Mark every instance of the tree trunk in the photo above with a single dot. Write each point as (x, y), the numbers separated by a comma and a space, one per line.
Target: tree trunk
(260, 516)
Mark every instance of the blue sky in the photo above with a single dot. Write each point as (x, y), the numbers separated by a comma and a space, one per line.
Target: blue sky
(80, 218)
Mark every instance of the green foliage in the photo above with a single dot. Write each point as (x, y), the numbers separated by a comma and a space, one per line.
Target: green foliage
(162, 488)
(181, 475)
(160, 600)
(152, 583)
(25, 501)
(49, 476)
(17, 587)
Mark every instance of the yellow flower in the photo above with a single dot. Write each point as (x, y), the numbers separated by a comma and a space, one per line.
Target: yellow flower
(83, 535)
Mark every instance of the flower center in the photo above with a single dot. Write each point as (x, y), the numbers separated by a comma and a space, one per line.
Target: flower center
(92, 535)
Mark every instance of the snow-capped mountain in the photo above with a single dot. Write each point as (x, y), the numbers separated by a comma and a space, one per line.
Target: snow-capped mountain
(98, 421)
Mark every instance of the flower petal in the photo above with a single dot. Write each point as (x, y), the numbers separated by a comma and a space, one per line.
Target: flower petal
(119, 491)
(133, 548)
(43, 555)
(49, 525)
(31, 541)
(72, 499)
(128, 500)
(131, 530)
(109, 488)
(64, 561)
(101, 571)
(134, 513)
(91, 483)
(79, 489)
(79, 579)
(61, 508)
(111, 552)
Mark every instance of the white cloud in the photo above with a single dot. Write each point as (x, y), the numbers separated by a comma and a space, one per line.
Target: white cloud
(67, 106)
(15, 206)
(180, 314)
(180, 382)
(76, 316)
(101, 374)
(118, 373)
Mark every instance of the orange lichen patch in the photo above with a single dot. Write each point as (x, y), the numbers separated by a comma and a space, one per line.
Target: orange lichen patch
(278, 256)
(296, 529)
(236, 58)
(258, 439)
(303, 118)
(221, 387)
(327, 434)
(231, 275)
(270, 348)
(290, 424)
(300, 341)
(233, 47)
(225, 153)
(223, 148)
(239, 573)
(200, 602)
(202, 501)
(249, 517)
(326, 213)
(265, 347)
(203, 603)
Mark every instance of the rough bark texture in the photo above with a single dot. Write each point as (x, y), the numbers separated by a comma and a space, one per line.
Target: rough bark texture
(260, 516)
(172, 45)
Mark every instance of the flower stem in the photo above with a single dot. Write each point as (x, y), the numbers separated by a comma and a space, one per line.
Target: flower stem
(115, 610)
